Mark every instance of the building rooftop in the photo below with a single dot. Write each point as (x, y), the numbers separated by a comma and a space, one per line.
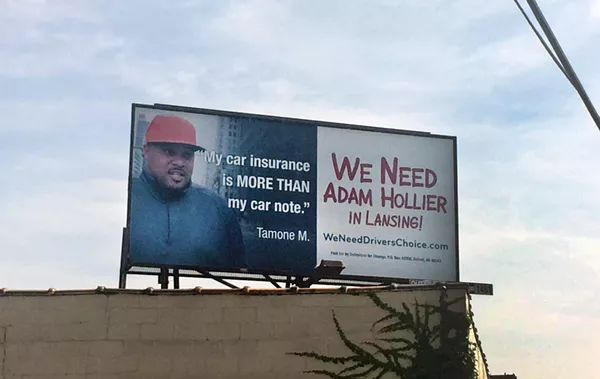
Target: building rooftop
(248, 291)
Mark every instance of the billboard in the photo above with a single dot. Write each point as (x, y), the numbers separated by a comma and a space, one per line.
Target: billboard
(234, 192)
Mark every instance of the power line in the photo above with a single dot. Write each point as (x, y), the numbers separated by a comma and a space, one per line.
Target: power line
(560, 58)
(543, 42)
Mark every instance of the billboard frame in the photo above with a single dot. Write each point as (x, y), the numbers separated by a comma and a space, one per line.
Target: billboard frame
(129, 268)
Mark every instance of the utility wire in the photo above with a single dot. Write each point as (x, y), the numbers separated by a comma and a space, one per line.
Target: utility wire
(565, 61)
(539, 36)
(560, 58)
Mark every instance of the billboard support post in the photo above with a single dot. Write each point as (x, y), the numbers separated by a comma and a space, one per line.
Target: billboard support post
(163, 278)
(122, 279)
(123, 263)
(176, 279)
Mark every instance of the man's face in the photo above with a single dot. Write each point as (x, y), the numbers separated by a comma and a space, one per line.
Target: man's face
(171, 164)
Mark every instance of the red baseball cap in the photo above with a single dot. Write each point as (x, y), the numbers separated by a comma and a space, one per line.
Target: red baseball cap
(172, 129)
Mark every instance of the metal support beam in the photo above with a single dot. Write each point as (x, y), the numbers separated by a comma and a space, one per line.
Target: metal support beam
(272, 281)
(215, 278)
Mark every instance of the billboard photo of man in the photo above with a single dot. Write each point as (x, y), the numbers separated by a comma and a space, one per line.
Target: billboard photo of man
(174, 221)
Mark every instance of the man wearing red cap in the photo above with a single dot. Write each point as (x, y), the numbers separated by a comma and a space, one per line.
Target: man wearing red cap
(175, 221)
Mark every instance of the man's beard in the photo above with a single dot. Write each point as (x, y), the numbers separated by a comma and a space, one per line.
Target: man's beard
(169, 192)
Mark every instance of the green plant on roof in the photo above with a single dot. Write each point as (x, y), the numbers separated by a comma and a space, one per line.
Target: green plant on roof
(407, 345)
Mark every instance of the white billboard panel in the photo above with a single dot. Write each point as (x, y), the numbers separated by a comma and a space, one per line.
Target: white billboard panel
(386, 203)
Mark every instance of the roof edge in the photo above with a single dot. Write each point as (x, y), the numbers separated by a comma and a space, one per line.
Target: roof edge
(230, 291)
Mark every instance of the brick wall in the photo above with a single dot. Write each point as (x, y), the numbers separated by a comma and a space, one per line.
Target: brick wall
(228, 334)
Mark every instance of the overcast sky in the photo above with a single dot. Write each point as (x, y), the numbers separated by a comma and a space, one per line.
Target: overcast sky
(529, 153)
